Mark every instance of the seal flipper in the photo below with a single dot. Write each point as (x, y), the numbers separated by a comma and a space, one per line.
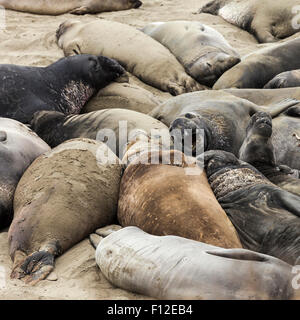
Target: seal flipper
(279, 107)
(239, 254)
(211, 7)
(95, 239)
(288, 201)
(293, 112)
(81, 10)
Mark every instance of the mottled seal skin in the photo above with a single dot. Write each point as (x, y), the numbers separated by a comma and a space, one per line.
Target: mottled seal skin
(55, 127)
(258, 68)
(285, 80)
(19, 146)
(138, 53)
(258, 150)
(175, 268)
(64, 86)
(202, 50)
(222, 116)
(266, 217)
(55, 7)
(63, 196)
(267, 20)
(162, 199)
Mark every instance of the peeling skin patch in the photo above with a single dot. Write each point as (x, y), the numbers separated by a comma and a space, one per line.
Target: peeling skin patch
(235, 179)
(75, 95)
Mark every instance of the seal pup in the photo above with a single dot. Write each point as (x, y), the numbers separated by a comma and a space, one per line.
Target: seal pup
(258, 150)
(202, 50)
(19, 146)
(175, 268)
(285, 80)
(266, 217)
(138, 53)
(258, 68)
(64, 86)
(267, 20)
(63, 196)
(55, 7)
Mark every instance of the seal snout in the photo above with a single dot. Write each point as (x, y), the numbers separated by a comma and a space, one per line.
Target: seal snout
(136, 4)
(262, 122)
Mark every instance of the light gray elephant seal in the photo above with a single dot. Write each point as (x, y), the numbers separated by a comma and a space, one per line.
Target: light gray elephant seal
(19, 146)
(202, 50)
(267, 20)
(138, 53)
(63, 196)
(285, 80)
(175, 268)
(55, 7)
(258, 68)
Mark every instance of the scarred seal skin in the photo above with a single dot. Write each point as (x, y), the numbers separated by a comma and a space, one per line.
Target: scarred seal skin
(62, 197)
(266, 217)
(138, 53)
(19, 146)
(65, 86)
(175, 268)
(56, 7)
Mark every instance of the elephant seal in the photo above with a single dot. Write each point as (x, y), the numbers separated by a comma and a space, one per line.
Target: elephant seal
(175, 268)
(63, 196)
(258, 150)
(285, 80)
(54, 7)
(266, 217)
(258, 68)
(202, 50)
(19, 146)
(64, 86)
(138, 53)
(162, 199)
(222, 116)
(267, 20)
(55, 127)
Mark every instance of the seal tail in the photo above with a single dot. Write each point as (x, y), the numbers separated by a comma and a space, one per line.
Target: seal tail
(212, 7)
(33, 268)
(281, 106)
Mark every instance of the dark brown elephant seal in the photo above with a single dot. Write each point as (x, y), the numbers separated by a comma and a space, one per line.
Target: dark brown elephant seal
(258, 68)
(267, 20)
(285, 80)
(64, 195)
(258, 150)
(138, 53)
(55, 7)
(266, 217)
(162, 199)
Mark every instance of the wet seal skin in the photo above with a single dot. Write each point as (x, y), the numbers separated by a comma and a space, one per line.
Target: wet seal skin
(266, 217)
(64, 86)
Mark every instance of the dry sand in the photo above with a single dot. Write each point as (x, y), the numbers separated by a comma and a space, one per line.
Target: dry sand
(30, 40)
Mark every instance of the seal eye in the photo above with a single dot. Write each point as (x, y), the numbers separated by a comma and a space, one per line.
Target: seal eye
(3, 136)
(189, 115)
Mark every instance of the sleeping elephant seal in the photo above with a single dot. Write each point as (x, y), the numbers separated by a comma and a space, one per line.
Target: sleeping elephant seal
(202, 50)
(258, 150)
(64, 86)
(266, 217)
(267, 20)
(55, 127)
(258, 68)
(141, 55)
(175, 268)
(55, 7)
(285, 80)
(63, 196)
(162, 199)
(19, 146)
(222, 116)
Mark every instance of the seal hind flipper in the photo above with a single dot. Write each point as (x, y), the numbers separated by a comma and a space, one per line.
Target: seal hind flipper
(279, 107)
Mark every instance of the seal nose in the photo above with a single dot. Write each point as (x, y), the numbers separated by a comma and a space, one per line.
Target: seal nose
(3, 136)
(137, 4)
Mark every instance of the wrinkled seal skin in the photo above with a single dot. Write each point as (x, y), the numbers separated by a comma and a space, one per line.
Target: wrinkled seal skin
(258, 68)
(285, 80)
(222, 116)
(267, 20)
(55, 7)
(63, 196)
(258, 150)
(266, 217)
(175, 268)
(19, 146)
(202, 50)
(55, 127)
(64, 86)
(162, 199)
(138, 53)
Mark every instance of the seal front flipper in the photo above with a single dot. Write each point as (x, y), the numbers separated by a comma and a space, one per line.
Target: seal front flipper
(279, 107)
(80, 10)
(239, 254)
(211, 7)
(95, 240)
(293, 112)
(288, 201)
